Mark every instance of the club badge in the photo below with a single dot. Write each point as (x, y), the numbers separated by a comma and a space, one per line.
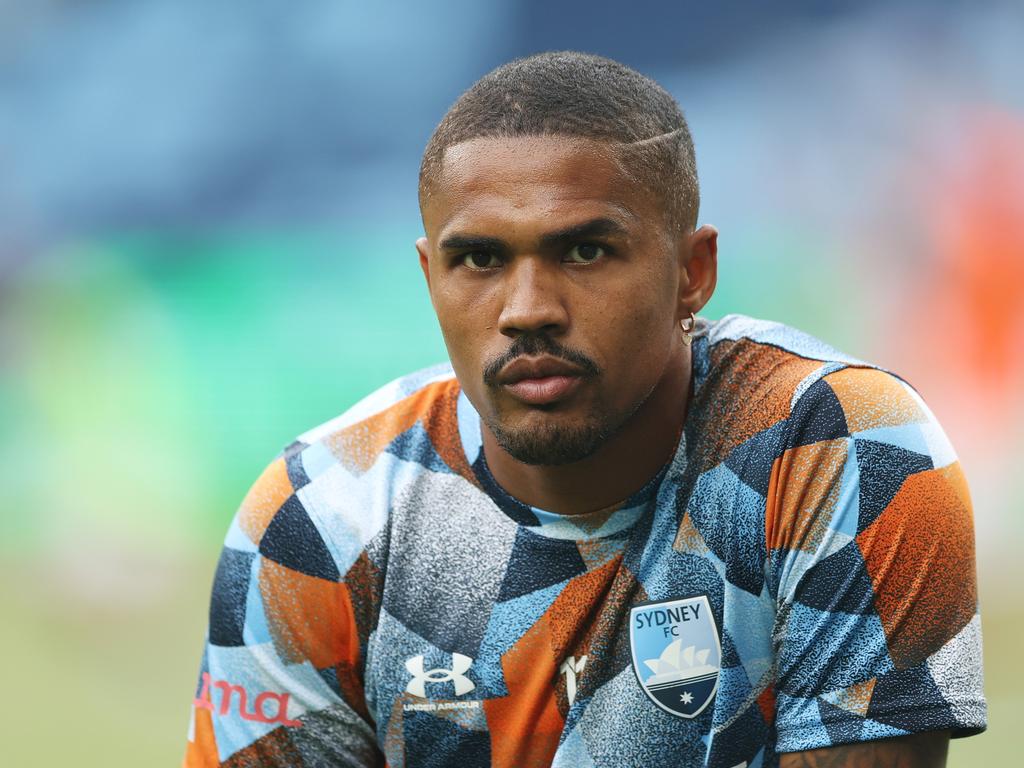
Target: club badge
(676, 653)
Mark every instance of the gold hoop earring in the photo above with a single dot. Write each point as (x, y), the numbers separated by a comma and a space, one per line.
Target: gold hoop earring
(688, 332)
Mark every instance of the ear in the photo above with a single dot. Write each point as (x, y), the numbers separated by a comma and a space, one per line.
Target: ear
(423, 248)
(698, 270)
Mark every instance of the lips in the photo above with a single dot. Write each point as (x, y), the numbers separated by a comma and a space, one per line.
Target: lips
(540, 380)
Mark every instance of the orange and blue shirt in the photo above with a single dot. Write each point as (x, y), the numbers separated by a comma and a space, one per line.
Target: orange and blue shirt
(800, 574)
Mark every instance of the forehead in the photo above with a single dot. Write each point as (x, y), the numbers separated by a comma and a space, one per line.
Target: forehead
(508, 179)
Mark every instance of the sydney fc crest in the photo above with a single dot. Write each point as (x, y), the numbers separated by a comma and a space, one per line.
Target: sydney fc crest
(676, 653)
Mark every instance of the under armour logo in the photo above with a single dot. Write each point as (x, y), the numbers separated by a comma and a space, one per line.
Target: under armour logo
(418, 685)
(570, 668)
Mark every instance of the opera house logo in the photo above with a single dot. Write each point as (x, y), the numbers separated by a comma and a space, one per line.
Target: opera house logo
(676, 653)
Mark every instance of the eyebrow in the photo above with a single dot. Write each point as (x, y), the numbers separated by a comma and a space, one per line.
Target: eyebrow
(599, 227)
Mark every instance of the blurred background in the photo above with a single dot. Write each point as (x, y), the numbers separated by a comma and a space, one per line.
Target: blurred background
(207, 216)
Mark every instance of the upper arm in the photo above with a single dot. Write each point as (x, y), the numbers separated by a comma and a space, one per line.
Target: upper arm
(871, 556)
(281, 677)
(921, 750)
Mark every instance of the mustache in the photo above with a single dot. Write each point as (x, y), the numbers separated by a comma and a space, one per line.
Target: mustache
(533, 345)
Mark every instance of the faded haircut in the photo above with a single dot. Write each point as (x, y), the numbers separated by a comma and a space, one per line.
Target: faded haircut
(582, 95)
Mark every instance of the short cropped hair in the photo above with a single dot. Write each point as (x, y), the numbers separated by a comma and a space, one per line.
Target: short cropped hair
(579, 94)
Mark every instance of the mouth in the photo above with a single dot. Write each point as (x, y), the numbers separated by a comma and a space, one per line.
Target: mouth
(547, 389)
(542, 380)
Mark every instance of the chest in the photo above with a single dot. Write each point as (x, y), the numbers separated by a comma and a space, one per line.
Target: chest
(616, 649)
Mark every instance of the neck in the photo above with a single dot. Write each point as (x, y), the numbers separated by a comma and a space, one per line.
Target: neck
(619, 468)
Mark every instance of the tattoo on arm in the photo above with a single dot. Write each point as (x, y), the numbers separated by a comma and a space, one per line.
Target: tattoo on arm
(920, 750)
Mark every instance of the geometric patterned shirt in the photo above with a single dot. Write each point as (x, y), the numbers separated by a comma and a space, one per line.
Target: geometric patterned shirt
(800, 574)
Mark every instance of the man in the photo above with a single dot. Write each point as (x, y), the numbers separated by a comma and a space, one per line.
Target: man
(609, 532)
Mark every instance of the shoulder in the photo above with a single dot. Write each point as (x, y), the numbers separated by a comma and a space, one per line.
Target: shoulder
(824, 435)
(746, 330)
(801, 379)
(429, 383)
(750, 376)
(763, 362)
(876, 409)
(328, 461)
(860, 441)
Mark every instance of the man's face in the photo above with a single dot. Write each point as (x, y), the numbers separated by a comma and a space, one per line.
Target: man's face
(543, 247)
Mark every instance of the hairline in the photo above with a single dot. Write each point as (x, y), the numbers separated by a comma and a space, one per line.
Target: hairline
(618, 150)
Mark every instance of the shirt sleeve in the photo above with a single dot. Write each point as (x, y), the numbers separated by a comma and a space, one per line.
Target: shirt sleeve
(870, 537)
(281, 679)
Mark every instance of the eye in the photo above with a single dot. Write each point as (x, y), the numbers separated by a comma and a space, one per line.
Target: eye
(586, 253)
(478, 260)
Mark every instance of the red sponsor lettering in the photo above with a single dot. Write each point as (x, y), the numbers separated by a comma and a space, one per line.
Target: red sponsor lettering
(227, 692)
(282, 709)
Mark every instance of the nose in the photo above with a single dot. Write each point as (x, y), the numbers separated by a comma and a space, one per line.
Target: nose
(534, 300)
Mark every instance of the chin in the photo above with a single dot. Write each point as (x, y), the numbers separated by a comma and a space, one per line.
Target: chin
(551, 444)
